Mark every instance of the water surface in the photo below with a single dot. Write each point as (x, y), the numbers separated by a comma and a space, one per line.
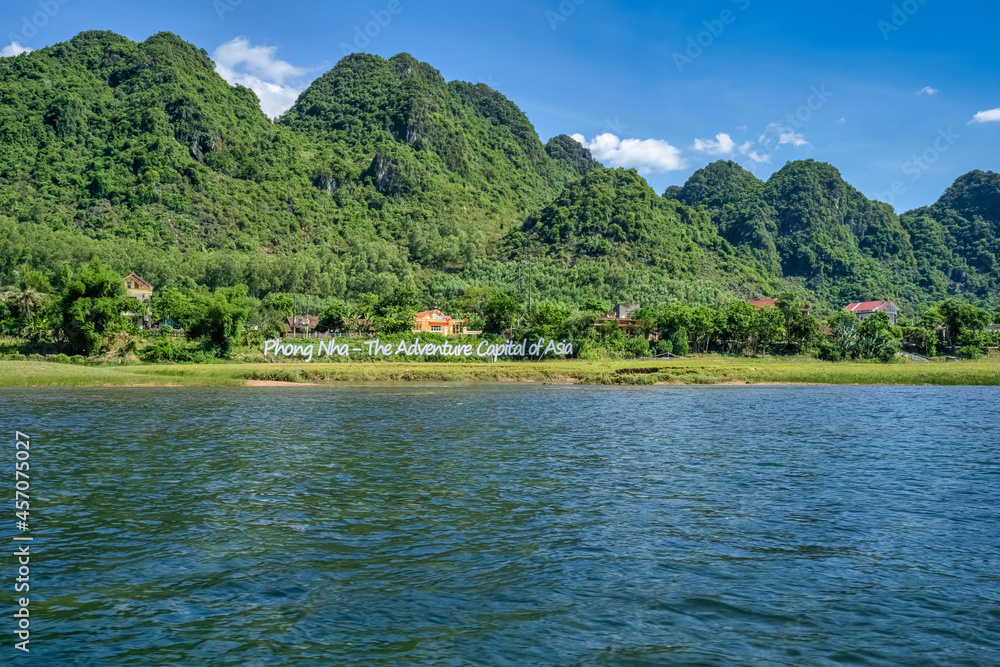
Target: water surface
(511, 525)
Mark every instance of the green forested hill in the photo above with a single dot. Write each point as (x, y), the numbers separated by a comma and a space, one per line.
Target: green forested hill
(143, 155)
(385, 175)
(807, 225)
(956, 240)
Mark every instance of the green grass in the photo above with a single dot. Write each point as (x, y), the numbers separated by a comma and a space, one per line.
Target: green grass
(710, 369)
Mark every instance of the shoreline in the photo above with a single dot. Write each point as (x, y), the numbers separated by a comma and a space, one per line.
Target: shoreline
(708, 371)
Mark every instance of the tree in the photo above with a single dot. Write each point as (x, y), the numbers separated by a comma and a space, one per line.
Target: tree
(221, 317)
(768, 328)
(547, 320)
(737, 324)
(174, 305)
(845, 333)
(334, 316)
(961, 317)
(801, 329)
(92, 309)
(281, 304)
(500, 312)
(876, 338)
(24, 300)
(704, 324)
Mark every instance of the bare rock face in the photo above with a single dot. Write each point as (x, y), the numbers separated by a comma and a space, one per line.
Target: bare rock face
(385, 173)
(327, 182)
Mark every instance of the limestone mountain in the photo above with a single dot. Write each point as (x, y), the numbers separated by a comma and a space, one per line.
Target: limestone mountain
(956, 240)
(385, 176)
(807, 225)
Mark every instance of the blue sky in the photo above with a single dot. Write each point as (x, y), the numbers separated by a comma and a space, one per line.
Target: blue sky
(901, 96)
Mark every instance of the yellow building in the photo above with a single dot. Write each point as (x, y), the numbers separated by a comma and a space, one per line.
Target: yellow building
(434, 321)
(137, 288)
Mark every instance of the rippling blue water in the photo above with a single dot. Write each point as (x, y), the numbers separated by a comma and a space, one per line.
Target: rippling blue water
(510, 525)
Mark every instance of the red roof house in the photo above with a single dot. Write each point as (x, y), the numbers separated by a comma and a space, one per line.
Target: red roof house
(866, 309)
(763, 303)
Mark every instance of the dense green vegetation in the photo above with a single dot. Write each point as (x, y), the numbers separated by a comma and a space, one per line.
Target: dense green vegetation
(806, 225)
(87, 314)
(387, 189)
(956, 241)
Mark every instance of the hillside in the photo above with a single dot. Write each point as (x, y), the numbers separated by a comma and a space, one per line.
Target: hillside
(143, 155)
(956, 240)
(385, 175)
(808, 226)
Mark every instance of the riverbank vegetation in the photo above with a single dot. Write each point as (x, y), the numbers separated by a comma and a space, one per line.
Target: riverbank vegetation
(85, 315)
(706, 370)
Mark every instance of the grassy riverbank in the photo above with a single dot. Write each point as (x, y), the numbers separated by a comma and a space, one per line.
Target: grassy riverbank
(704, 370)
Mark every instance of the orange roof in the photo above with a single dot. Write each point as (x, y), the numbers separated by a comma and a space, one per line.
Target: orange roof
(762, 303)
(432, 315)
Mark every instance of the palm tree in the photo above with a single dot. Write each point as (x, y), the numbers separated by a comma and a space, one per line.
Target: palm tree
(26, 299)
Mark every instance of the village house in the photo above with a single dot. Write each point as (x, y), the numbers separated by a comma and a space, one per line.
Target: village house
(300, 324)
(434, 321)
(763, 303)
(773, 303)
(137, 288)
(622, 314)
(866, 309)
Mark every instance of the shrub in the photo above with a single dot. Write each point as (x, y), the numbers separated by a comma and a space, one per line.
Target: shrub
(166, 349)
(638, 347)
(970, 352)
(828, 350)
(17, 356)
(61, 359)
(35, 357)
(78, 359)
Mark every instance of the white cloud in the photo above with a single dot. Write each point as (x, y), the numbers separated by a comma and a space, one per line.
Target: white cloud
(841, 121)
(258, 60)
(927, 90)
(722, 145)
(646, 155)
(257, 68)
(793, 138)
(991, 116)
(760, 158)
(14, 49)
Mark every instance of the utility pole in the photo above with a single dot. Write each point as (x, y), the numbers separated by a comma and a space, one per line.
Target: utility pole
(529, 284)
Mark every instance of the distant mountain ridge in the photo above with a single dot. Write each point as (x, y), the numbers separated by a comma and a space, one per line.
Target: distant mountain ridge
(384, 175)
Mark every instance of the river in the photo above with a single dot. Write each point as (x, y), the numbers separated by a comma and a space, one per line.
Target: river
(473, 524)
